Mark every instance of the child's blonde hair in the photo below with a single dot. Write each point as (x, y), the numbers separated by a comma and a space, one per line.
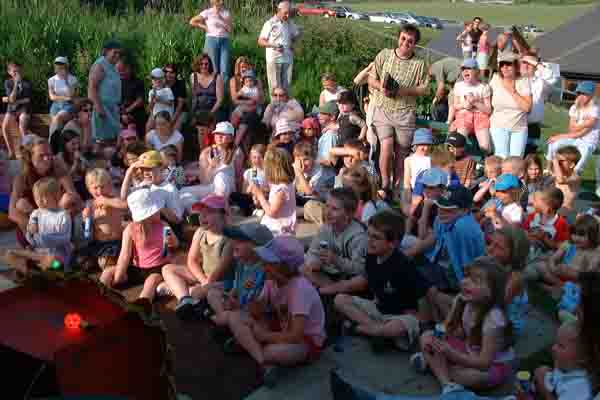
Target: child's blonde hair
(303, 150)
(99, 176)
(441, 157)
(517, 165)
(279, 167)
(554, 197)
(46, 186)
(571, 153)
(258, 148)
(496, 279)
(493, 162)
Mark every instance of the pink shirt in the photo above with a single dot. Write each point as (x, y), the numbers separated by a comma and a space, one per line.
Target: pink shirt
(285, 221)
(149, 253)
(483, 46)
(298, 297)
(215, 22)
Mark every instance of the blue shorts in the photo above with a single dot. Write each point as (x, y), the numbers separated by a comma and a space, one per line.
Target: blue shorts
(61, 106)
(4, 202)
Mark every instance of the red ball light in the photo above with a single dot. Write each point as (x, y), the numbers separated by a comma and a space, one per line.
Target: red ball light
(72, 321)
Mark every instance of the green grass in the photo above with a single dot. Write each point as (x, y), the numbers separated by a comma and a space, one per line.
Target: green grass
(543, 15)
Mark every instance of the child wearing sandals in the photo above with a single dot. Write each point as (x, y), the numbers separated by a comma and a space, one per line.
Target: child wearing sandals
(294, 333)
(146, 247)
(475, 351)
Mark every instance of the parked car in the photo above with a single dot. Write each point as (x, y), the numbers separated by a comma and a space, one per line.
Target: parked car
(436, 23)
(380, 17)
(405, 18)
(305, 9)
(346, 12)
(429, 22)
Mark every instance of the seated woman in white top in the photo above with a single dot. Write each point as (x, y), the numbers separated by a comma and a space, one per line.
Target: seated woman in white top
(330, 88)
(63, 88)
(164, 134)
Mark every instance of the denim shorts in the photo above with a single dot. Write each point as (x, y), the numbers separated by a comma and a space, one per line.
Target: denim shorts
(61, 106)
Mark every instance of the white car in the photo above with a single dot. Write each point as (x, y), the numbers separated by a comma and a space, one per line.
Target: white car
(404, 18)
(380, 17)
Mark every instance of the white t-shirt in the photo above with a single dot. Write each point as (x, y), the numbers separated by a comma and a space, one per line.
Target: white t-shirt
(591, 111)
(506, 113)
(285, 222)
(513, 213)
(332, 96)
(479, 91)
(170, 195)
(59, 85)
(280, 33)
(417, 165)
(164, 94)
(539, 94)
(214, 22)
(154, 140)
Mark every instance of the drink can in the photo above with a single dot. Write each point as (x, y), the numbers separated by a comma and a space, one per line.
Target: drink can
(439, 331)
(523, 382)
(165, 247)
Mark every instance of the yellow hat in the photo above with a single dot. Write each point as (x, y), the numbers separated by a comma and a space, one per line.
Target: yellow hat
(151, 159)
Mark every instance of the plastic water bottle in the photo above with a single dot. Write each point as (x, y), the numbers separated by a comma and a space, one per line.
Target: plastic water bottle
(88, 224)
(165, 245)
(524, 389)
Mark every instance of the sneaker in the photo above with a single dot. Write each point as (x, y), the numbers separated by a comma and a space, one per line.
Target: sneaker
(417, 361)
(163, 290)
(271, 376)
(185, 308)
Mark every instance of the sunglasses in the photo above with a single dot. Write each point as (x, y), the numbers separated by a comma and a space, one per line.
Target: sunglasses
(505, 64)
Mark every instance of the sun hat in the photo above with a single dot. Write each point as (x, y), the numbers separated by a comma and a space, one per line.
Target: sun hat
(258, 234)
(212, 201)
(507, 57)
(329, 107)
(422, 136)
(283, 126)
(282, 250)
(151, 159)
(586, 87)
(249, 73)
(531, 60)
(456, 197)
(61, 60)
(456, 140)
(157, 73)
(127, 133)
(224, 128)
(470, 63)
(506, 182)
(310, 122)
(434, 177)
(144, 203)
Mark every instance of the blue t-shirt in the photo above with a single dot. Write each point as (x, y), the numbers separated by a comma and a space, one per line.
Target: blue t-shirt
(420, 187)
(247, 281)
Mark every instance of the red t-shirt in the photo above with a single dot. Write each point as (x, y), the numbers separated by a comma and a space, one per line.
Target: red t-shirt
(557, 228)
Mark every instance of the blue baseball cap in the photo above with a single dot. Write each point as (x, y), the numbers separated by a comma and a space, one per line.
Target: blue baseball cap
(470, 63)
(586, 87)
(422, 136)
(434, 177)
(506, 182)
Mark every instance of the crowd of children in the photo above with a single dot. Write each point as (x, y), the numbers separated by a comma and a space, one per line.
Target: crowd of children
(458, 252)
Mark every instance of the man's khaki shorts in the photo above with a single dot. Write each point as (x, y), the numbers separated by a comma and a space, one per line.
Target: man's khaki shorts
(399, 125)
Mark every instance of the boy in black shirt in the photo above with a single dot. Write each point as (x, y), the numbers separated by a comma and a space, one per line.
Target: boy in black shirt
(17, 96)
(394, 281)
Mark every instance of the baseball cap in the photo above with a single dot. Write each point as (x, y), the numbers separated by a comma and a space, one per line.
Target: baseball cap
(144, 203)
(61, 60)
(127, 133)
(456, 197)
(506, 182)
(157, 73)
(586, 87)
(422, 136)
(151, 159)
(282, 250)
(456, 140)
(507, 57)
(258, 234)
(470, 63)
(212, 201)
(249, 73)
(329, 107)
(224, 128)
(434, 177)
(283, 126)
(310, 122)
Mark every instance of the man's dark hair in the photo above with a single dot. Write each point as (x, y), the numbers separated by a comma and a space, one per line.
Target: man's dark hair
(346, 97)
(479, 18)
(390, 223)
(411, 30)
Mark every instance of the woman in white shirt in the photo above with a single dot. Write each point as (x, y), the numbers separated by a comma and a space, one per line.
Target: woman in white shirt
(63, 88)
(164, 134)
(584, 126)
(216, 22)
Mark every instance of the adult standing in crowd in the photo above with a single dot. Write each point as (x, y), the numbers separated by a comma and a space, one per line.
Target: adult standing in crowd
(540, 92)
(132, 96)
(177, 86)
(104, 89)
(475, 34)
(217, 23)
(278, 36)
(207, 86)
(399, 77)
(446, 72)
(282, 107)
(511, 102)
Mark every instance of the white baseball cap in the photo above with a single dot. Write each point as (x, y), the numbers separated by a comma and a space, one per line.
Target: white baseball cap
(61, 60)
(157, 73)
(224, 128)
(144, 203)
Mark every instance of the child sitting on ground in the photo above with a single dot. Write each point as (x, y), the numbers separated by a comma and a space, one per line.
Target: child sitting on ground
(516, 166)
(311, 180)
(350, 122)
(392, 278)
(329, 136)
(464, 165)
(476, 349)
(256, 175)
(535, 180)
(106, 213)
(204, 122)
(284, 136)
(209, 257)
(48, 231)
(311, 131)
(492, 168)
(419, 160)
(245, 278)
(173, 172)
(160, 97)
(148, 245)
(505, 210)
(568, 379)
(294, 332)
(331, 90)
(565, 175)
(354, 153)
